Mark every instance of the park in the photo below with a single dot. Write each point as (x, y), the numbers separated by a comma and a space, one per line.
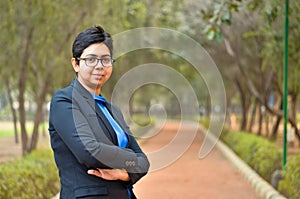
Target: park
(209, 89)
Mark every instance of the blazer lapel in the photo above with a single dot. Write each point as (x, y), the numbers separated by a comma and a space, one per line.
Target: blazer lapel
(102, 120)
(117, 119)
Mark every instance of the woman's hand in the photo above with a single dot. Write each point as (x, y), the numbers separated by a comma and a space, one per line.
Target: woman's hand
(110, 174)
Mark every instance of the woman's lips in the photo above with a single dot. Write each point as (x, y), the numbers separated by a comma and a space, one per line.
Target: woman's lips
(98, 76)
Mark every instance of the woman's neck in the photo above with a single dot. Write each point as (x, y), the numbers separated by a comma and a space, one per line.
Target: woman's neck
(96, 91)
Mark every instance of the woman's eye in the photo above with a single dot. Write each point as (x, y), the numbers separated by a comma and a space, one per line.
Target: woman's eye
(91, 60)
(106, 60)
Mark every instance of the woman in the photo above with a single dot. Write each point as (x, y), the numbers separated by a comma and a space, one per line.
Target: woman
(95, 152)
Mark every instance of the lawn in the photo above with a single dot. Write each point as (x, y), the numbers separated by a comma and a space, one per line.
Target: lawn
(7, 128)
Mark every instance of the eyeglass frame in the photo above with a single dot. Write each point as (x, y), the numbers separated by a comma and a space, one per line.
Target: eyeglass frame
(98, 59)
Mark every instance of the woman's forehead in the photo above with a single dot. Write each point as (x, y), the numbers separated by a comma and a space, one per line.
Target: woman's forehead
(97, 49)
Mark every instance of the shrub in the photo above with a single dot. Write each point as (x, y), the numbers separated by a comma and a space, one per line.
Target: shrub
(262, 155)
(243, 144)
(267, 159)
(34, 176)
(290, 185)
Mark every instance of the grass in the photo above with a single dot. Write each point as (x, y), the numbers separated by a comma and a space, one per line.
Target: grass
(7, 128)
(6, 133)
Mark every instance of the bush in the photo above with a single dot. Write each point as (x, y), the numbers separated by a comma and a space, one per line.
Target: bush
(290, 185)
(267, 159)
(34, 176)
(243, 144)
(262, 155)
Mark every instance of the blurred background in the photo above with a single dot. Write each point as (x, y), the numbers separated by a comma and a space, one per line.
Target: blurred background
(243, 37)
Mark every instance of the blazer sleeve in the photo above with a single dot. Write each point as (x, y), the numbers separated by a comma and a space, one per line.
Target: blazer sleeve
(73, 128)
(133, 145)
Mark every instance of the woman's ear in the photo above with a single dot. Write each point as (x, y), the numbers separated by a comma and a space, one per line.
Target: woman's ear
(75, 65)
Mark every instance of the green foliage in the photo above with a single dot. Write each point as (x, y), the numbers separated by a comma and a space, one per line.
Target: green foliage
(264, 32)
(216, 14)
(219, 13)
(290, 185)
(34, 176)
(37, 38)
(267, 159)
(273, 44)
(244, 144)
(259, 153)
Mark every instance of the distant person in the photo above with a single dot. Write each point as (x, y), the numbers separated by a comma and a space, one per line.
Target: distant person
(95, 152)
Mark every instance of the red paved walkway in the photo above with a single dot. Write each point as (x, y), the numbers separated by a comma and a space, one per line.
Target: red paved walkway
(213, 177)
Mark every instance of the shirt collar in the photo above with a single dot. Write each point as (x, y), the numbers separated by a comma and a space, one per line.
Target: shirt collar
(98, 98)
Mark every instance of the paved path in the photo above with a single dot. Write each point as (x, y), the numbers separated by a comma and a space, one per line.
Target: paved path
(9, 150)
(213, 177)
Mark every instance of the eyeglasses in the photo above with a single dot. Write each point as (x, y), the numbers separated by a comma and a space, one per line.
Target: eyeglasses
(93, 62)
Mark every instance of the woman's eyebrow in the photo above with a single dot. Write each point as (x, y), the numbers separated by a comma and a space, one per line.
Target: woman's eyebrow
(105, 55)
(94, 55)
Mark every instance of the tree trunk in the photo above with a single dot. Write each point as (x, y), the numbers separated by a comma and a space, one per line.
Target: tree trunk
(267, 121)
(292, 121)
(260, 121)
(245, 105)
(244, 108)
(275, 128)
(277, 122)
(13, 110)
(293, 114)
(294, 125)
(39, 114)
(22, 87)
(38, 118)
(253, 117)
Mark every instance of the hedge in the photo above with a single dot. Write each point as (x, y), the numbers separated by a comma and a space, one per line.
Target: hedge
(259, 153)
(265, 158)
(34, 176)
(290, 185)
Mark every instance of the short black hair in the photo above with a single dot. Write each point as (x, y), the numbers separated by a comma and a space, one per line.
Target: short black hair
(92, 35)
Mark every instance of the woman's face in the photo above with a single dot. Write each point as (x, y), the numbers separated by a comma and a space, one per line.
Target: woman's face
(92, 78)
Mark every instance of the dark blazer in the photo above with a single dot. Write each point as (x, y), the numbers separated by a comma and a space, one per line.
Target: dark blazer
(82, 138)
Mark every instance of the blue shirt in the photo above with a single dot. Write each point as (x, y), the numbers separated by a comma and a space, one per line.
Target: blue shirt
(121, 135)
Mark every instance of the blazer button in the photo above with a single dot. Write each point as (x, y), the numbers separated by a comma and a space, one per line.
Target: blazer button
(130, 163)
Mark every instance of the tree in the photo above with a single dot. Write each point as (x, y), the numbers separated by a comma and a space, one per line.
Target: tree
(28, 35)
(266, 33)
(37, 38)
